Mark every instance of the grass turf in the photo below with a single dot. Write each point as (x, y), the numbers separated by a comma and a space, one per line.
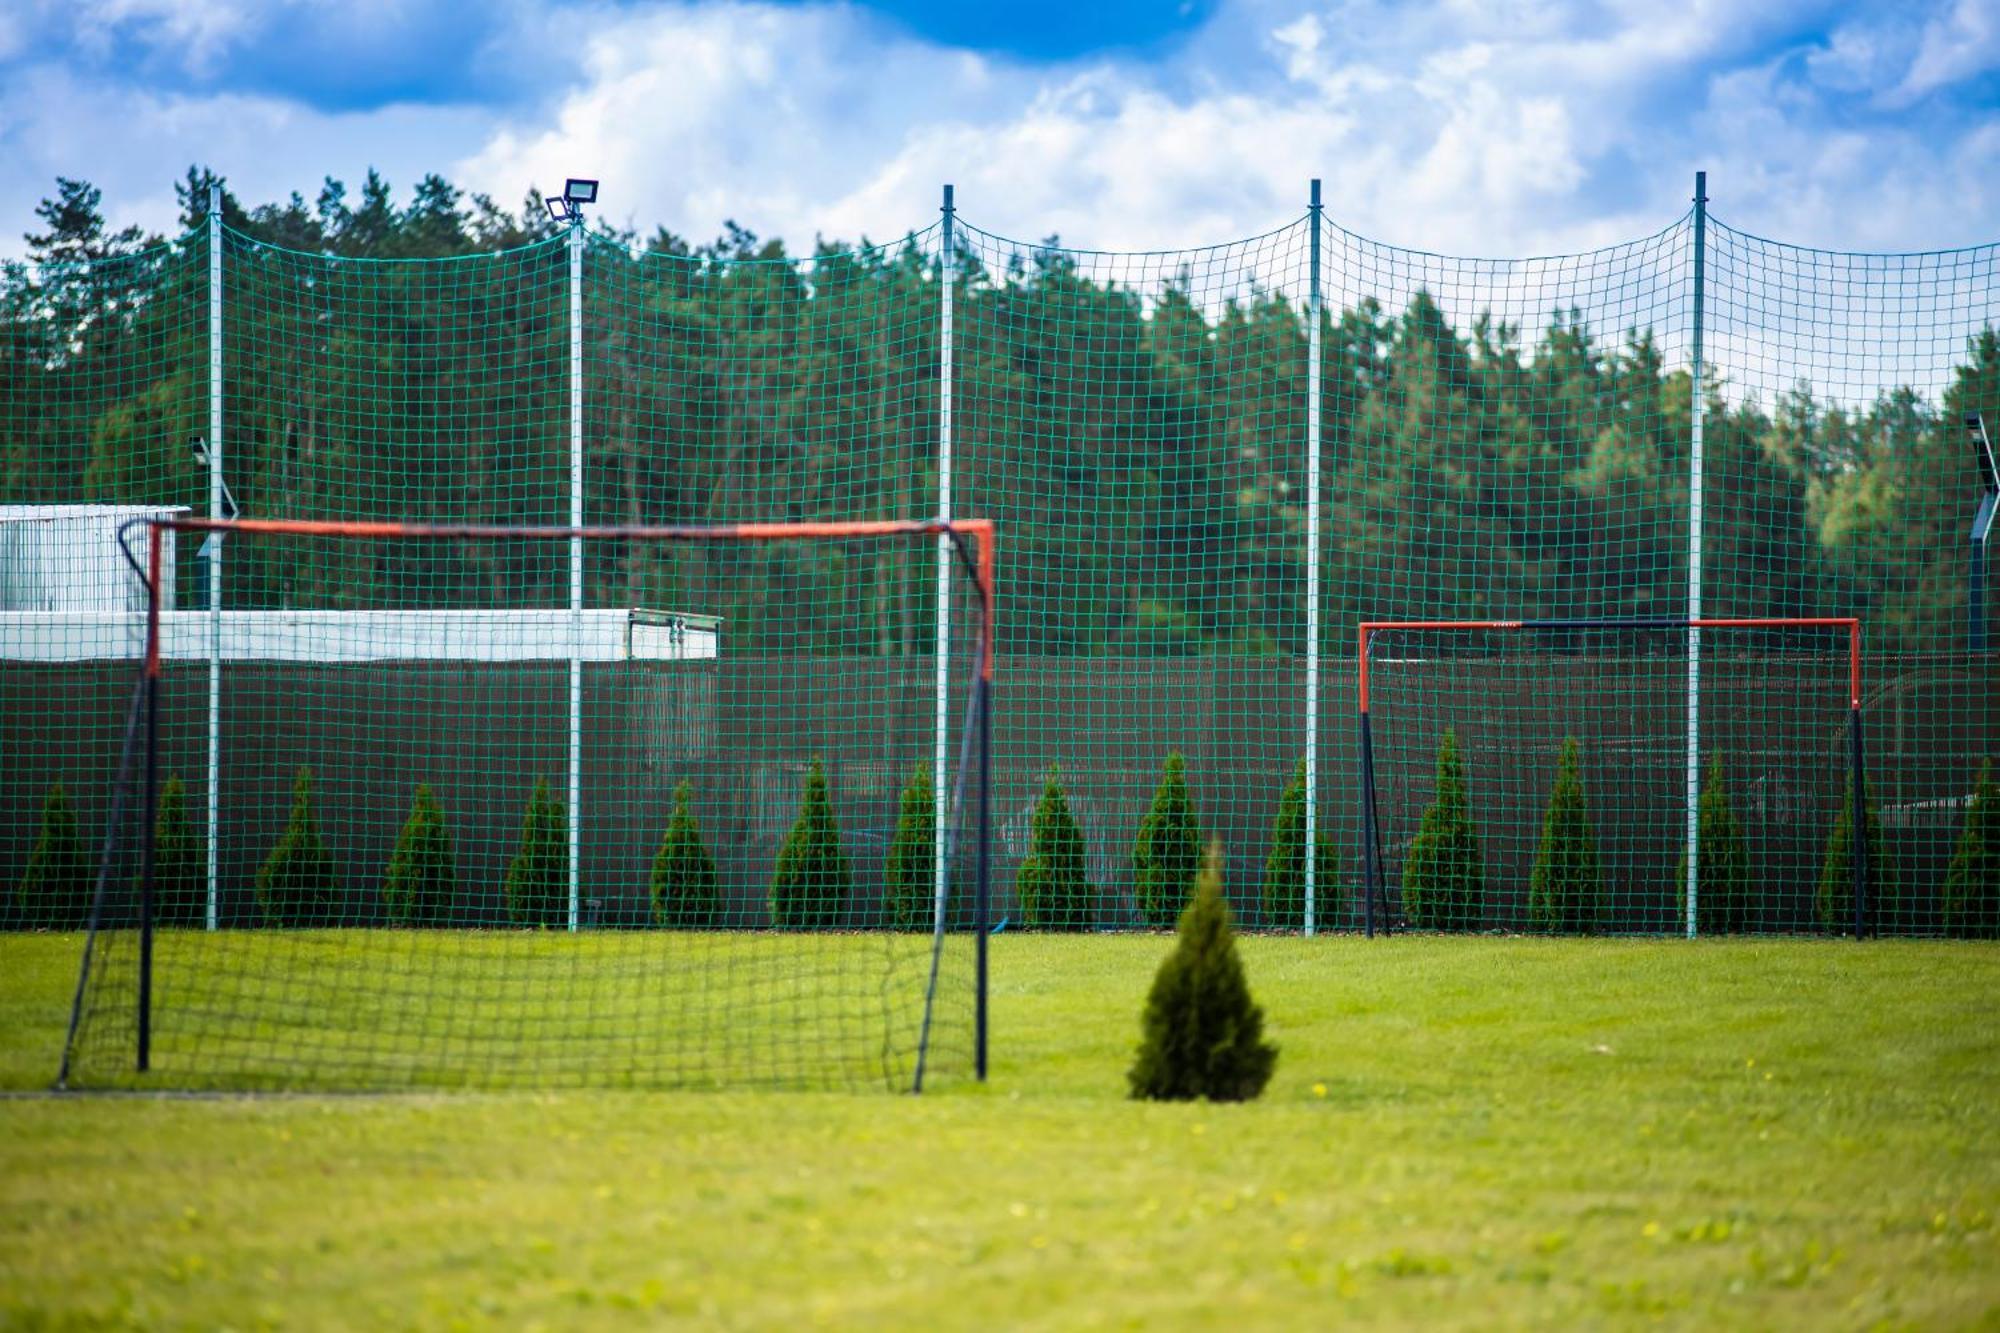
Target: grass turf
(1461, 1132)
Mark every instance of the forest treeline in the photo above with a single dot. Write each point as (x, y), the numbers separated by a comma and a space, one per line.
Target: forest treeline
(1142, 450)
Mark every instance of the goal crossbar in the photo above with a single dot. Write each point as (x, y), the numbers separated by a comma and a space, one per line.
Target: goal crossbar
(1367, 630)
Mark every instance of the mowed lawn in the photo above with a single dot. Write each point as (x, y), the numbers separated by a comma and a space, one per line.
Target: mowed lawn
(1462, 1132)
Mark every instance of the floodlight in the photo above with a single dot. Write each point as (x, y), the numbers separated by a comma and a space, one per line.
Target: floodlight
(558, 209)
(580, 192)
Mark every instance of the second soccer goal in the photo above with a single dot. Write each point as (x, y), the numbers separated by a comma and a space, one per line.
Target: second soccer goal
(1616, 776)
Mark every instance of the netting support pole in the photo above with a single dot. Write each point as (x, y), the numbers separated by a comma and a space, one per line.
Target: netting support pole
(941, 729)
(575, 820)
(1313, 444)
(212, 911)
(1696, 409)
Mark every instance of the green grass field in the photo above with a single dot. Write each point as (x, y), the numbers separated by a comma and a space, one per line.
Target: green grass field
(1462, 1132)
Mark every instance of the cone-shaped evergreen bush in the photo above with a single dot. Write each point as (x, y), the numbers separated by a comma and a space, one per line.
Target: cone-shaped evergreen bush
(1285, 866)
(537, 883)
(422, 879)
(810, 887)
(1168, 852)
(1723, 904)
(1444, 886)
(1972, 881)
(685, 889)
(1203, 1036)
(1052, 887)
(55, 892)
(298, 884)
(1566, 883)
(180, 862)
(910, 874)
(1836, 871)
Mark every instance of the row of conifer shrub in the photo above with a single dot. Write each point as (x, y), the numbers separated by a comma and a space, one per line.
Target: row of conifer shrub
(812, 884)
(299, 882)
(1053, 889)
(1444, 884)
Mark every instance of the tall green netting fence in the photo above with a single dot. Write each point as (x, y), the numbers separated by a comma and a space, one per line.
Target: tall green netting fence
(1189, 539)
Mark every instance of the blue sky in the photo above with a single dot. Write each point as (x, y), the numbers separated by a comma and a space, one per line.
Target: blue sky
(1471, 126)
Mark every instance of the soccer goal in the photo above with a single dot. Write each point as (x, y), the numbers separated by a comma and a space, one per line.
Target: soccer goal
(398, 817)
(1617, 776)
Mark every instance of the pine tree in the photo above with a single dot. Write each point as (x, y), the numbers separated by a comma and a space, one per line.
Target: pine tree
(298, 884)
(685, 888)
(1444, 886)
(537, 883)
(1566, 884)
(422, 878)
(55, 892)
(1972, 881)
(180, 862)
(810, 887)
(1836, 873)
(1203, 1036)
(1168, 852)
(1285, 866)
(1052, 884)
(1722, 890)
(909, 875)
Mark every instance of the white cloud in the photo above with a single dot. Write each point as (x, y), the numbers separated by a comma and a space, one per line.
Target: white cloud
(1532, 127)
(194, 31)
(1955, 46)
(135, 144)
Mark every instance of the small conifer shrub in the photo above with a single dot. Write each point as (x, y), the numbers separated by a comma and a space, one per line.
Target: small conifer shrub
(1723, 893)
(1052, 886)
(55, 892)
(422, 878)
(1285, 866)
(1202, 1034)
(298, 884)
(1168, 852)
(1835, 899)
(810, 887)
(537, 884)
(685, 888)
(1444, 886)
(180, 862)
(1566, 884)
(910, 873)
(1972, 881)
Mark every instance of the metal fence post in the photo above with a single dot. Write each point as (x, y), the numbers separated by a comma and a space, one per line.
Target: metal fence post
(940, 746)
(1697, 407)
(212, 911)
(575, 821)
(1313, 444)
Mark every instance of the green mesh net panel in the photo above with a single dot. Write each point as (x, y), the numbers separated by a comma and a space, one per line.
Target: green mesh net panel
(1493, 438)
(1136, 426)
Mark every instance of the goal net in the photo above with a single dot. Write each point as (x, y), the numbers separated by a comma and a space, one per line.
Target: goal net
(1616, 776)
(402, 823)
